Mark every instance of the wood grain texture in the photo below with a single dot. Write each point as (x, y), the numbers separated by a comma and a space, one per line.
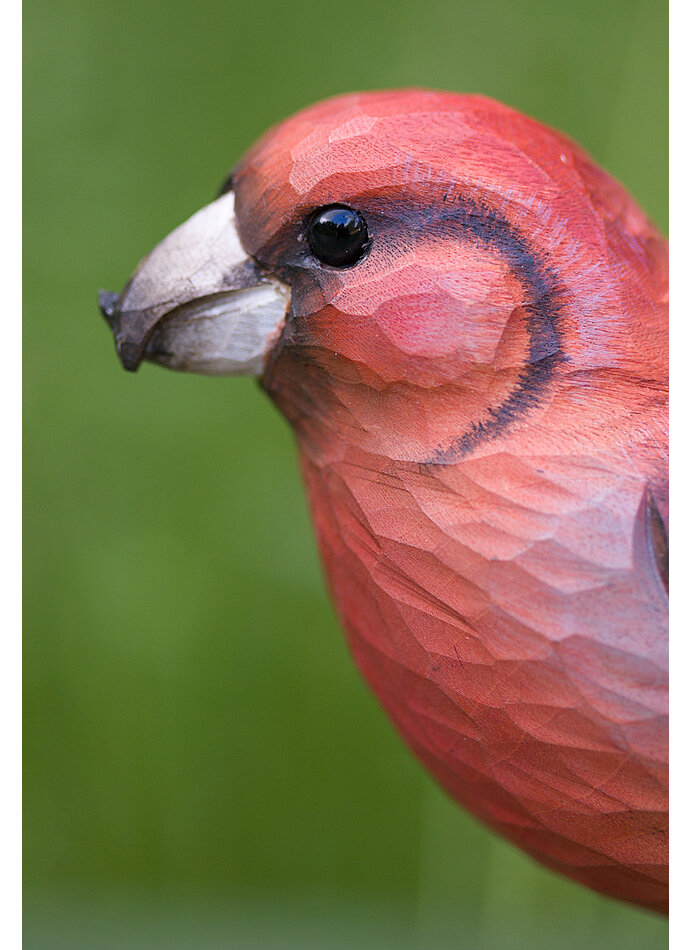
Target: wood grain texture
(481, 412)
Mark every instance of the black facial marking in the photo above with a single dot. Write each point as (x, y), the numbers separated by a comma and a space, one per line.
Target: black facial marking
(463, 216)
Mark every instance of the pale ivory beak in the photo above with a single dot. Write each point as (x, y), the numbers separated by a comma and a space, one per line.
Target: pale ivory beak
(198, 303)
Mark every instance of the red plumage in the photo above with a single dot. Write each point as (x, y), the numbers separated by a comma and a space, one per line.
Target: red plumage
(480, 406)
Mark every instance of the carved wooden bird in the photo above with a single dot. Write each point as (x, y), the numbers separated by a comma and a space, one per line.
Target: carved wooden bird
(465, 322)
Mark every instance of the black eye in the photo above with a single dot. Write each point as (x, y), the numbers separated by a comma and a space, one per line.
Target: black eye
(338, 236)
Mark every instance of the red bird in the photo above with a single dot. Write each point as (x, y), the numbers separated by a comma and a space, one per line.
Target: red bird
(465, 322)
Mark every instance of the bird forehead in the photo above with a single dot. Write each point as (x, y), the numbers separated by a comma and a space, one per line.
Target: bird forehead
(425, 124)
(402, 142)
(314, 164)
(314, 145)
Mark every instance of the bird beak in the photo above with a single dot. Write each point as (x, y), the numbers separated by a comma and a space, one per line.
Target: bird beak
(198, 303)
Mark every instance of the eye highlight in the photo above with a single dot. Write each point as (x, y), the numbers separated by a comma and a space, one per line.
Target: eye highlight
(338, 236)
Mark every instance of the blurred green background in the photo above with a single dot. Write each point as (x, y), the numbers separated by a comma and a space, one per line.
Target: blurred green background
(203, 765)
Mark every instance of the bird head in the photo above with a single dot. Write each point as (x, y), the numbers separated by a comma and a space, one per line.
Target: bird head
(410, 271)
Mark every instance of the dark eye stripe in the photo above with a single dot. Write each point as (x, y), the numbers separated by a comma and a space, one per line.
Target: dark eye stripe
(476, 220)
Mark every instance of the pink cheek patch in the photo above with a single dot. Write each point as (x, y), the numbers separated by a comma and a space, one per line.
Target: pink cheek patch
(461, 311)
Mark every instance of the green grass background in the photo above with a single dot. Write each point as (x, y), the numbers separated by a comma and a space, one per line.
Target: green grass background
(203, 765)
